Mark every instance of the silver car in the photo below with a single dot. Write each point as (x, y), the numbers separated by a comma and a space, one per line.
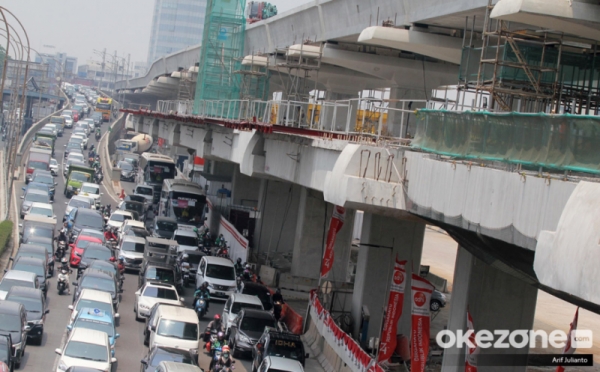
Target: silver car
(78, 201)
(33, 196)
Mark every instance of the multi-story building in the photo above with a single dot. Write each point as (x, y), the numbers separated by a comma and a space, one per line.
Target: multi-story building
(60, 64)
(176, 24)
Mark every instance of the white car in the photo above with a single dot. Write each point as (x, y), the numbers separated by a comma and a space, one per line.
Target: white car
(132, 249)
(186, 239)
(86, 348)
(83, 139)
(83, 126)
(54, 168)
(220, 274)
(92, 190)
(76, 156)
(118, 217)
(79, 201)
(13, 278)
(280, 364)
(41, 209)
(152, 293)
(51, 127)
(93, 299)
(68, 121)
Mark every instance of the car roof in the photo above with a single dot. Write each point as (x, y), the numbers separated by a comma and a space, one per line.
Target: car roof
(88, 238)
(118, 211)
(38, 191)
(89, 336)
(90, 184)
(184, 314)
(179, 367)
(218, 261)
(154, 283)
(82, 198)
(96, 273)
(134, 223)
(168, 219)
(183, 232)
(255, 313)
(246, 299)
(96, 314)
(88, 211)
(19, 275)
(25, 292)
(285, 364)
(135, 239)
(10, 307)
(96, 295)
(41, 205)
(29, 260)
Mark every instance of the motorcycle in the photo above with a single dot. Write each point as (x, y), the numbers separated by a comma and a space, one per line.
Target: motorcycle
(200, 306)
(62, 282)
(277, 306)
(220, 368)
(186, 277)
(98, 135)
(223, 252)
(238, 282)
(91, 161)
(60, 249)
(210, 336)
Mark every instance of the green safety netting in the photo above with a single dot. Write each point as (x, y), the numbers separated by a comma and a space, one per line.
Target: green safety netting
(562, 142)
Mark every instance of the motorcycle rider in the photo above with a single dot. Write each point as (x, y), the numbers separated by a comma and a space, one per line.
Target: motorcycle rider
(215, 325)
(65, 270)
(239, 268)
(220, 240)
(224, 361)
(98, 133)
(247, 275)
(278, 302)
(220, 342)
(64, 276)
(109, 234)
(203, 291)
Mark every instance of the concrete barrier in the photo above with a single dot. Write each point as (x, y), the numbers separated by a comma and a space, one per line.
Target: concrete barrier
(440, 283)
(104, 146)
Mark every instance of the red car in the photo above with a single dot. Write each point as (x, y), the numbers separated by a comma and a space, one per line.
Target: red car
(75, 116)
(79, 246)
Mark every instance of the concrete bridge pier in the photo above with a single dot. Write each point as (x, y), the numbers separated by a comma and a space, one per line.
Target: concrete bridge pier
(496, 301)
(382, 239)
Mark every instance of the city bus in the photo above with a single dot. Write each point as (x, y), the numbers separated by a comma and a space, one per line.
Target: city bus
(104, 105)
(154, 169)
(184, 201)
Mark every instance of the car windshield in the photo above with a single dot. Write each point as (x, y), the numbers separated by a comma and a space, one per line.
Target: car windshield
(37, 165)
(77, 203)
(81, 243)
(53, 162)
(144, 191)
(86, 351)
(163, 293)
(76, 139)
(38, 198)
(256, 324)
(92, 234)
(103, 306)
(48, 180)
(181, 330)
(105, 285)
(163, 275)
(163, 355)
(73, 145)
(81, 177)
(91, 189)
(125, 166)
(10, 323)
(7, 284)
(41, 256)
(166, 225)
(133, 206)
(137, 231)
(95, 325)
(97, 254)
(31, 304)
(237, 306)
(119, 217)
(220, 272)
(93, 220)
(194, 258)
(37, 186)
(186, 240)
(41, 211)
(130, 246)
(36, 269)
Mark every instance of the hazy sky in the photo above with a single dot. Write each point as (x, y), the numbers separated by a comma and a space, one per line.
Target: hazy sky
(78, 27)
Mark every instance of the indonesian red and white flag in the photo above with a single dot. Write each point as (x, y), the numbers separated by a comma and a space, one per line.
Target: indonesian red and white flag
(393, 312)
(421, 319)
(570, 349)
(471, 362)
(337, 221)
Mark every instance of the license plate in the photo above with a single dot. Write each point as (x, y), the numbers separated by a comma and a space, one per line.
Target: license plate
(220, 293)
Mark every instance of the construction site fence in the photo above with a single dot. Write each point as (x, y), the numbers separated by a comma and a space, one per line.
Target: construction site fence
(378, 118)
(559, 142)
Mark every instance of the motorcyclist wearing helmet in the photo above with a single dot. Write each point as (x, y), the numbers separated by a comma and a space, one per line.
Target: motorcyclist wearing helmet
(224, 361)
(62, 234)
(110, 234)
(121, 265)
(216, 324)
(247, 275)
(203, 291)
(185, 262)
(65, 270)
(278, 303)
(239, 268)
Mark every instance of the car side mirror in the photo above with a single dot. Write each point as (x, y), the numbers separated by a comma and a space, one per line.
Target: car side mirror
(75, 284)
(113, 360)
(70, 327)
(144, 362)
(153, 328)
(22, 196)
(117, 335)
(58, 351)
(182, 299)
(27, 328)
(70, 307)
(307, 356)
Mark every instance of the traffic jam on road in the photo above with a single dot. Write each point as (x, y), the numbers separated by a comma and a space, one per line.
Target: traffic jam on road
(138, 282)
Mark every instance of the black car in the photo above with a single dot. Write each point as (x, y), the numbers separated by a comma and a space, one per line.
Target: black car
(261, 291)
(6, 355)
(35, 251)
(127, 171)
(82, 218)
(36, 266)
(35, 228)
(159, 353)
(108, 267)
(94, 252)
(98, 280)
(36, 308)
(164, 227)
(47, 243)
(247, 328)
(160, 272)
(134, 206)
(278, 344)
(13, 323)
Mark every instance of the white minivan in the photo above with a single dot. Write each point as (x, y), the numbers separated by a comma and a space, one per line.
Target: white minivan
(175, 327)
(86, 348)
(219, 273)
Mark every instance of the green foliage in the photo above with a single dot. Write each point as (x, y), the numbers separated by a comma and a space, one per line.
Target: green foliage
(6, 228)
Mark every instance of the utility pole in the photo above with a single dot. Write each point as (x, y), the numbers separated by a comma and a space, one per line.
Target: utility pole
(103, 65)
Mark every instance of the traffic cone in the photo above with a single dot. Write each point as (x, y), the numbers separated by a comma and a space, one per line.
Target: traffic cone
(122, 196)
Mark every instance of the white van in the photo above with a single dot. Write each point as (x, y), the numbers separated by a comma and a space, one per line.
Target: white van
(175, 327)
(237, 302)
(219, 273)
(186, 239)
(96, 300)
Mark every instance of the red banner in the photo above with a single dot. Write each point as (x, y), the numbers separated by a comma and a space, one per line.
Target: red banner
(337, 221)
(421, 296)
(471, 362)
(569, 349)
(161, 142)
(393, 312)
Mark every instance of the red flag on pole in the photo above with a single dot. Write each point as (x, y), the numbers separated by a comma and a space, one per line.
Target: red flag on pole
(421, 296)
(393, 312)
(570, 349)
(337, 221)
(471, 362)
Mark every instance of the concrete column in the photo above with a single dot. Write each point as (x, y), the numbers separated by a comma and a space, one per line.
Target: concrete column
(496, 300)
(314, 215)
(396, 120)
(371, 284)
(245, 190)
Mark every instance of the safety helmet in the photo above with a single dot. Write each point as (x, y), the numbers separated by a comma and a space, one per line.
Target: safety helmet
(225, 349)
(205, 285)
(185, 256)
(64, 260)
(247, 267)
(220, 335)
(239, 260)
(217, 317)
(112, 259)
(121, 258)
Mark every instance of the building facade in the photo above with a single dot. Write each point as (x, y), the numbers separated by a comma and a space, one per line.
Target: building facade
(176, 24)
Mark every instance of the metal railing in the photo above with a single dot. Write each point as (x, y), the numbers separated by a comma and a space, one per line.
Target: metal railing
(377, 118)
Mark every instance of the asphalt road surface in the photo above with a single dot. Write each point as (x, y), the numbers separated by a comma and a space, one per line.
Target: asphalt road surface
(129, 347)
